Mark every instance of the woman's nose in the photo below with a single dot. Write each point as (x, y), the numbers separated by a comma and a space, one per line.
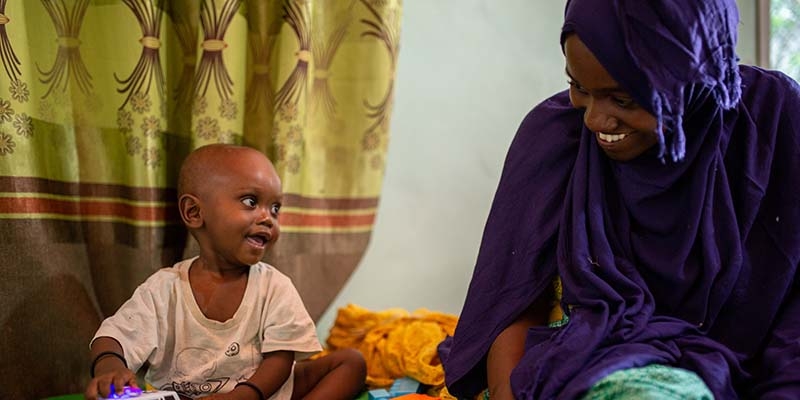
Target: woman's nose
(598, 119)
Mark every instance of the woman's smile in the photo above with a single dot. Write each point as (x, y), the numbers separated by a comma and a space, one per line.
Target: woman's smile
(610, 137)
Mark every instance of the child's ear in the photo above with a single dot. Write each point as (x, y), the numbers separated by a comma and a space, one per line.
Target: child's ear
(189, 206)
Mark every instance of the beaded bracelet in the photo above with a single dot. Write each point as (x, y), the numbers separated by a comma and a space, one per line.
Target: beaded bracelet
(103, 354)
(252, 386)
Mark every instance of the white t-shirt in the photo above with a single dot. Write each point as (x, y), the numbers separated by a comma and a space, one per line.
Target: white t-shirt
(195, 356)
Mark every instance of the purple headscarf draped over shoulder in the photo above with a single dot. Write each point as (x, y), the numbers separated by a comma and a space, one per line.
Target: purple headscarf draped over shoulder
(692, 263)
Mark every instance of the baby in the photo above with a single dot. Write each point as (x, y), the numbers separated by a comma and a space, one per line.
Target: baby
(222, 325)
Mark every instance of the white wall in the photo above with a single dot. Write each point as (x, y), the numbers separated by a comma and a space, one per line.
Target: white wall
(469, 70)
(747, 31)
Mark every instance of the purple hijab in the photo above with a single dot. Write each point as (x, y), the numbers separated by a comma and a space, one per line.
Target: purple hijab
(689, 262)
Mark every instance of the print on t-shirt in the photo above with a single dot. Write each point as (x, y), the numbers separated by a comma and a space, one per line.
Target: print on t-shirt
(196, 362)
(233, 350)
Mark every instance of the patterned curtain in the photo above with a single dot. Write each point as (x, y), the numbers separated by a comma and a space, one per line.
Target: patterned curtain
(100, 100)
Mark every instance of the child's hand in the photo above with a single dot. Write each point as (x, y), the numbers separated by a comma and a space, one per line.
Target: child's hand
(117, 379)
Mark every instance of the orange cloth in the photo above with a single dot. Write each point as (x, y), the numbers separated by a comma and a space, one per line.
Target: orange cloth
(415, 396)
(394, 342)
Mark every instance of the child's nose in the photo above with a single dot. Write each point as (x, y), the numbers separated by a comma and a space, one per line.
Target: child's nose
(265, 217)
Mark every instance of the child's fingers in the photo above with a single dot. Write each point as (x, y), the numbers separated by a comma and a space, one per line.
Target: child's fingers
(100, 386)
(114, 382)
(118, 384)
(105, 387)
(132, 381)
(91, 390)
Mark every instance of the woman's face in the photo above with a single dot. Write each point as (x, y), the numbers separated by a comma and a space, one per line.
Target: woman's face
(623, 129)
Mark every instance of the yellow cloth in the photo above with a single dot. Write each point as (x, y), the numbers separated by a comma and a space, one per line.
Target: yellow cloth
(398, 343)
(395, 342)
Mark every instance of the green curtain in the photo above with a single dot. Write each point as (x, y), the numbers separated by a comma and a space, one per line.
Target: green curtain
(100, 100)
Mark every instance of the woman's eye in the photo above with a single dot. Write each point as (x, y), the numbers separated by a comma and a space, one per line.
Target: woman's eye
(577, 86)
(623, 102)
(249, 201)
(276, 208)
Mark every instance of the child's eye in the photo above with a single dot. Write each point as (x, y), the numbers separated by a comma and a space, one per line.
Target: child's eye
(275, 208)
(577, 86)
(249, 201)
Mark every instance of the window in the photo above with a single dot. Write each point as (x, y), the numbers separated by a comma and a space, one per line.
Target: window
(781, 48)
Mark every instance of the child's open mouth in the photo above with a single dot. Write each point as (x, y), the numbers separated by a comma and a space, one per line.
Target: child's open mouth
(258, 240)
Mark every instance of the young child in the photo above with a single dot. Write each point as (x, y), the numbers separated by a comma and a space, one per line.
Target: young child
(223, 325)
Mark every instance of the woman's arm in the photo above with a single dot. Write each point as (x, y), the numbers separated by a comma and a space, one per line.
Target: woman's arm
(508, 348)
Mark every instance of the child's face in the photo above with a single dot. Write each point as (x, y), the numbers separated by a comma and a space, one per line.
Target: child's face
(240, 208)
(622, 128)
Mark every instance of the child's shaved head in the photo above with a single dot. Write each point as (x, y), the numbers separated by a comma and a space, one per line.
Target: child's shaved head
(203, 164)
(225, 187)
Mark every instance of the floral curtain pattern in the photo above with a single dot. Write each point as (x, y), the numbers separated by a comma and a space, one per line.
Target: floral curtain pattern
(100, 100)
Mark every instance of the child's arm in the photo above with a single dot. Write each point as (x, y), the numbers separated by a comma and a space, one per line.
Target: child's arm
(509, 347)
(108, 367)
(271, 374)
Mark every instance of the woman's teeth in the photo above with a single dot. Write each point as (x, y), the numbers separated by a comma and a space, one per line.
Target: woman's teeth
(611, 138)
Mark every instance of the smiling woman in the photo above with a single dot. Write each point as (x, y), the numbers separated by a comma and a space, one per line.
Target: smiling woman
(653, 193)
(623, 128)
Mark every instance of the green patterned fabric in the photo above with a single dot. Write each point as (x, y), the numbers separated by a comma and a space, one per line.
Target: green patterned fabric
(100, 101)
(653, 382)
